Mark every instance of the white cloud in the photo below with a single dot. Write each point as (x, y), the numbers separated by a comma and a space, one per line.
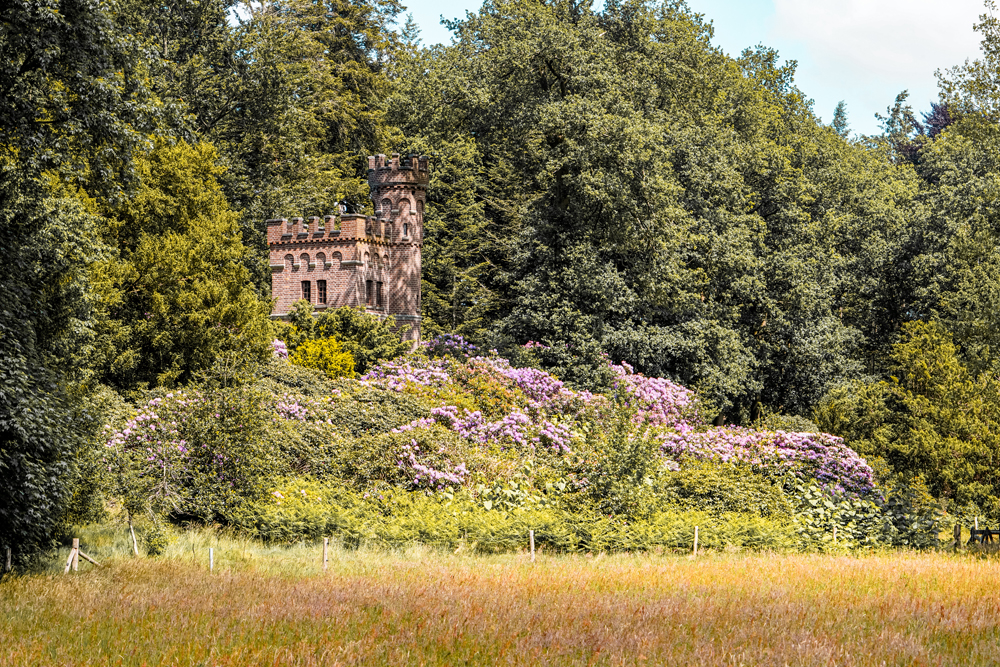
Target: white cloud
(860, 51)
(882, 38)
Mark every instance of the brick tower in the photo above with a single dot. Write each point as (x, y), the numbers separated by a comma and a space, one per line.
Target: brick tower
(356, 260)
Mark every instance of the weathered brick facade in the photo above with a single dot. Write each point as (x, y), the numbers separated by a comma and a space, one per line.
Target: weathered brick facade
(357, 260)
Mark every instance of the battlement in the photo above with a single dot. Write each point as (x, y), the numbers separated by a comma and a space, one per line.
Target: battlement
(409, 170)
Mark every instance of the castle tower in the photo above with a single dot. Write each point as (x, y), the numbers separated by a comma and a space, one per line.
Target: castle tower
(355, 260)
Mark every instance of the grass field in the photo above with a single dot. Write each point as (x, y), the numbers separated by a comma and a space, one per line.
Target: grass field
(421, 607)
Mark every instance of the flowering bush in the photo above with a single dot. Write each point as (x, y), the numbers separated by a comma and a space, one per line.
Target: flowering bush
(818, 456)
(397, 375)
(279, 348)
(453, 425)
(424, 474)
(203, 454)
(657, 401)
(450, 345)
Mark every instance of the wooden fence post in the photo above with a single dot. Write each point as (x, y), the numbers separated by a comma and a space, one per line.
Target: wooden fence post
(531, 536)
(696, 540)
(958, 536)
(131, 531)
(326, 545)
(7, 567)
(211, 559)
(76, 554)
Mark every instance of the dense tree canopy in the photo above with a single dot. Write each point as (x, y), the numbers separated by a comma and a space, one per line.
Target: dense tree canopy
(611, 183)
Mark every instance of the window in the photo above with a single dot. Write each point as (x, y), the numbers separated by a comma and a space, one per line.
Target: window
(406, 229)
(368, 292)
(307, 290)
(320, 291)
(378, 294)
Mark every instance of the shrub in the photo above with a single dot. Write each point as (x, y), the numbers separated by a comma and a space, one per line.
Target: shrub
(306, 509)
(723, 488)
(200, 454)
(936, 420)
(325, 354)
(367, 338)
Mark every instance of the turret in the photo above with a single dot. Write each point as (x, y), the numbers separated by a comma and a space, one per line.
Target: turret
(399, 193)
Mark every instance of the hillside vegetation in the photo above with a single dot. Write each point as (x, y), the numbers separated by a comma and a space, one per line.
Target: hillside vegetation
(452, 447)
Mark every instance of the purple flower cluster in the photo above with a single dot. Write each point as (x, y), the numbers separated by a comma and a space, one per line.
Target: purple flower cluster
(513, 429)
(555, 437)
(396, 375)
(450, 345)
(426, 476)
(545, 392)
(155, 432)
(417, 423)
(535, 345)
(820, 456)
(659, 401)
(279, 348)
(290, 408)
(537, 385)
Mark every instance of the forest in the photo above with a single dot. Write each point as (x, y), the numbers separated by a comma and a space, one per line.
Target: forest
(635, 244)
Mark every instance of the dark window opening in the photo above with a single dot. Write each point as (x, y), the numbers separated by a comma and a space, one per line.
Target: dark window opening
(307, 290)
(406, 230)
(368, 292)
(321, 291)
(378, 294)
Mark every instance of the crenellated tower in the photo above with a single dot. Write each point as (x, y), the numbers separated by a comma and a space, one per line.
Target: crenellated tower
(357, 260)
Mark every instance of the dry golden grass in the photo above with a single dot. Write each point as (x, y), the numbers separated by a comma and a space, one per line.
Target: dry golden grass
(422, 607)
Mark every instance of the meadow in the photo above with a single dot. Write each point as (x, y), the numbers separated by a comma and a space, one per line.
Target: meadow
(271, 605)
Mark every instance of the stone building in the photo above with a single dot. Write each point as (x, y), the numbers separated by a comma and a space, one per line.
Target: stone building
(357, 260)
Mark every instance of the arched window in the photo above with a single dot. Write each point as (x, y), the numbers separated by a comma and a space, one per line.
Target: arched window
(289, 262)
(304, 261)
(336, 259)
(386, 210)
(321, 261)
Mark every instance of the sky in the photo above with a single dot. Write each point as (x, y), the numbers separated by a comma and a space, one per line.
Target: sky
(863, 52)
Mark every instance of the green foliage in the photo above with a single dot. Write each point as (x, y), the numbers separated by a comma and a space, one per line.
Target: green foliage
(325, 354)
(201, 455)
(178, 294)
(155, 539)
(901, 521)
(367, 338)
(772, 421)
(634, 192)
(305, 509)
(618, 464)
(859, 522)
(723, 488)
(935, 421)
(289, 125)
(72, 106)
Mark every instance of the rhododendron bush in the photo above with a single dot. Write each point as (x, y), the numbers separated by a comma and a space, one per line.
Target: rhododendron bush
(455, 422)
